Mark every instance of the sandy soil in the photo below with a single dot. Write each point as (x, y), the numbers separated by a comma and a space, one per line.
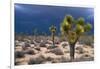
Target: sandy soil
(39, 50)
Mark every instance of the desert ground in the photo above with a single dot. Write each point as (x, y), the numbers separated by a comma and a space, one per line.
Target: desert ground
(39, 50)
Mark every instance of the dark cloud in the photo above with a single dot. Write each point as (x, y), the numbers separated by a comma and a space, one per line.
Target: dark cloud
(29, 16)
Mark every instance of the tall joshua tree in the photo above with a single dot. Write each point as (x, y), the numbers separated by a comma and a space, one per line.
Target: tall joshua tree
(52, 30)
(73, 29)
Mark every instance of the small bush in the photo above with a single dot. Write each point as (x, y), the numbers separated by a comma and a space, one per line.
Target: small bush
(87, 40)
(30, 52)
(37, 48)
(19, 54)
(80, 49)
(37, 60)
(27, 45)
(42, 44)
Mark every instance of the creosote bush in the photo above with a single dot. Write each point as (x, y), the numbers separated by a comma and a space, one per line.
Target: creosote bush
(19, 54)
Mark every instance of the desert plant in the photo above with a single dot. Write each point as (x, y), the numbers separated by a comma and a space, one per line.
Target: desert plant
(52, 30)
(19, 54)
(73, 29)
(36, 60)
(31, 52)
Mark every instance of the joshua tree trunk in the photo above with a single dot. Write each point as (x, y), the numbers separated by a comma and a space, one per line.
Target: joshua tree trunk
(53, 38)
(72, 51)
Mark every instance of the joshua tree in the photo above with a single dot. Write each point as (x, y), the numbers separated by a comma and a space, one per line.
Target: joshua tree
(73, 29)
(52, 30)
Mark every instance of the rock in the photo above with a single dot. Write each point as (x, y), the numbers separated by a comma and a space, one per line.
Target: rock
(58, 51)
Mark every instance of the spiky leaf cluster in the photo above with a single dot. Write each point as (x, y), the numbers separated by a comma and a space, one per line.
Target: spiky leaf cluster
(52, 29)
(74, 28)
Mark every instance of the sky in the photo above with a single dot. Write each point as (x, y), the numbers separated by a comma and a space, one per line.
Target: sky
(29, 17)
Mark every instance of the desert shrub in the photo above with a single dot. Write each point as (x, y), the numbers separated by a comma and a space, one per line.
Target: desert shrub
(27, 45)
(30, 52)
(81, 51)
(37, 60)
(57, 51)
(42, 44)
(86, 40)
(33, 61)
(55, 61)
(37, 48)
(19, 54)
(16, 63)
(49, 59)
